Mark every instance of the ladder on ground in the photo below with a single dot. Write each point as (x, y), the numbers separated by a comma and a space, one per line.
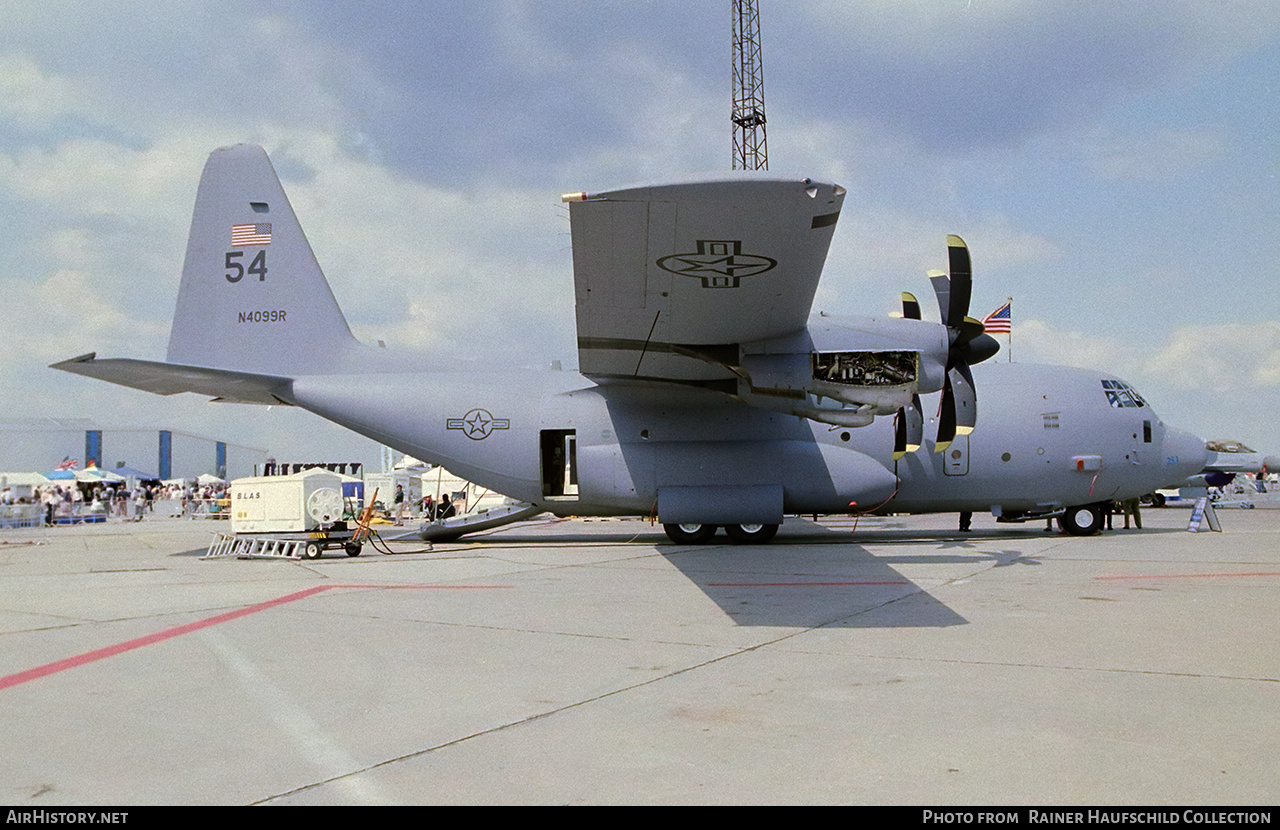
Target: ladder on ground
(225, 544)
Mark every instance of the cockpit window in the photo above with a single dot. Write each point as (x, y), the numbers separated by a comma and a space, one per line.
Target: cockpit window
(1120, 395)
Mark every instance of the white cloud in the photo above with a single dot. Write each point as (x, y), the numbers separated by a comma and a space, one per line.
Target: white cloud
(879, 252)
(66, 311)
(93, 176)
(1034, 341)
(32, 97)
(420, 266)
(1223, 358)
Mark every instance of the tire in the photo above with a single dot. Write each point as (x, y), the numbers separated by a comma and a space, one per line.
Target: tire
(750, 534)
(352, 549)
(1082, 520)
(312, 550)
(690, 534)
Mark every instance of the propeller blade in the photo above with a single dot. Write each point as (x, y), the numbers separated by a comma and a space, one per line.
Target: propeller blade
(958, 409)
(967, 330)
(910, 306)
(961, 280)
(915, 424)
(909, 429)
(946, 417)
(942, 288)
(964, 397)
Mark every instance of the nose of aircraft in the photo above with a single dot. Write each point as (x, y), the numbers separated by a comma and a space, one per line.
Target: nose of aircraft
(1184, 454)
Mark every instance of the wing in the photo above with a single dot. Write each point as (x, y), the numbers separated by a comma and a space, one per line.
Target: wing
(671, 279)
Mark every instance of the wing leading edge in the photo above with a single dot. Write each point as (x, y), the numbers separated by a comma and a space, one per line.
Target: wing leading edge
(670, 279)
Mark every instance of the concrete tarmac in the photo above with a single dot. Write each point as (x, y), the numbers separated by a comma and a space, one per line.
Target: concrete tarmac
(592, 662)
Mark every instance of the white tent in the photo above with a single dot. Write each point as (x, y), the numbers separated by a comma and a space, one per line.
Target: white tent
(22, 480)
(439, 481)
(90, 474)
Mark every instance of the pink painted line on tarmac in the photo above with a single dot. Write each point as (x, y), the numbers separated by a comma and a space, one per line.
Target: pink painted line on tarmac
(1192, 576)
(791, 584)
(177, 631)
(159, 636)
(427, 587)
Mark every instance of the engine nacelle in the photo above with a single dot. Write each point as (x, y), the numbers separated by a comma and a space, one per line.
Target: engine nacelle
(845, 373)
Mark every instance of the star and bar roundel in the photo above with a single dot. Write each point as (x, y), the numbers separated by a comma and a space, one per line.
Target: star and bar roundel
(477, 424)
(719, 263)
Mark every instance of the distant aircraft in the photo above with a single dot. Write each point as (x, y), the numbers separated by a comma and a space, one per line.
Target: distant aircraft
(706, 395)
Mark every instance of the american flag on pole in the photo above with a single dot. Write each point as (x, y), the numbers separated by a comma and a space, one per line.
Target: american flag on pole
(999, 321)
(68, 463)
(259, 234)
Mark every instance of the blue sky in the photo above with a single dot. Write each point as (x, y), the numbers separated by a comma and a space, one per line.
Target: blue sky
(1112, 165)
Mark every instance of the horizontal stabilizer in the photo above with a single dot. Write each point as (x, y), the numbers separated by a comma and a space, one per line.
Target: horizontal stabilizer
(172, 378)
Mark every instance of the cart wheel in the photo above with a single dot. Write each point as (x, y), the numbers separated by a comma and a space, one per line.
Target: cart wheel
(312, 550)
(352, 548)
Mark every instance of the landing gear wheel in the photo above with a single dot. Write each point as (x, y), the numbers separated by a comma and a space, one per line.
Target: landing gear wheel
(1084, 520)
(312, 550)
(352, 549)
(750, 534)
(690, 534)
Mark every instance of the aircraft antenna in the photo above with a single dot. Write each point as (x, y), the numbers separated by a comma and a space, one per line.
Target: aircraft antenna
(750, 150)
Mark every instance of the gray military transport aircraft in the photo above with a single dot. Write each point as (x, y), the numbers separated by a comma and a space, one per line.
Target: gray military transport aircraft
(706, 395)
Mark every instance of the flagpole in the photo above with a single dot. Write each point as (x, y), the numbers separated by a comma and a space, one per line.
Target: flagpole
(1011, 329)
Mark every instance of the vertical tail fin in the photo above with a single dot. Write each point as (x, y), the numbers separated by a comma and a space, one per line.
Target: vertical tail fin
(253, 297)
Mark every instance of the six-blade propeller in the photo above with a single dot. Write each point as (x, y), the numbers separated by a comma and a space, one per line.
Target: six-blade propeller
(968, 344)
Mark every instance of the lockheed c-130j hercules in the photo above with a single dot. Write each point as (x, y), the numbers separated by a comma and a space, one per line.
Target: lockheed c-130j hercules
(706, 395)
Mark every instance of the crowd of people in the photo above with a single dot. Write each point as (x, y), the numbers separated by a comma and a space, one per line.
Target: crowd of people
(65, 502)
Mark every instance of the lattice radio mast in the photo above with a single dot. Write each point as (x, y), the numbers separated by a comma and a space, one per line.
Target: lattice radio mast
(750, 149)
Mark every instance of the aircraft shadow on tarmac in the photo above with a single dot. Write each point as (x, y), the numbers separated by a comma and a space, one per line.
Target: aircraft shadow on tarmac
(817, 578)
(810, 575)
(813, 575)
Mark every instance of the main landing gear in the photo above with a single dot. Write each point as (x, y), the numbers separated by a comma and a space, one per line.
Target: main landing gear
(1083, 520)
(699, 534)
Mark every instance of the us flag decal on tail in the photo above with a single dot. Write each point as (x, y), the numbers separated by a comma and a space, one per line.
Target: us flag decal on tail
(259, 234)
